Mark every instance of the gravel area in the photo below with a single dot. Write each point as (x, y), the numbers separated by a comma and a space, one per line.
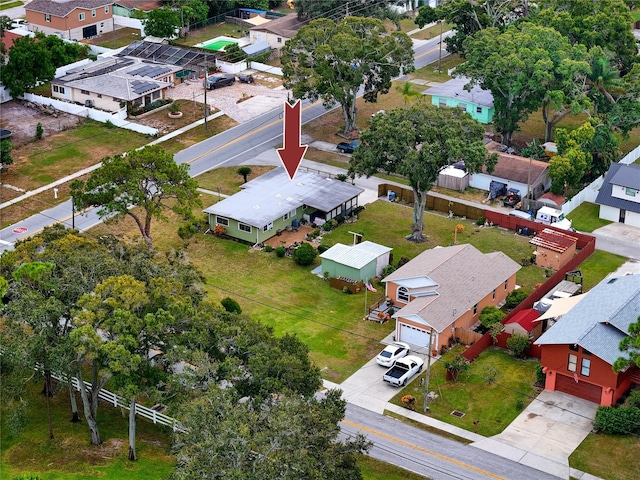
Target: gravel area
(259, 97)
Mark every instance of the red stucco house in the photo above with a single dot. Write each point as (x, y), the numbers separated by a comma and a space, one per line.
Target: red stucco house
(445, 288)
(579, 350)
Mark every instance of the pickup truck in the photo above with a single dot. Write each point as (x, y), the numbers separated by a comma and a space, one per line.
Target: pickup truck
(403, 370)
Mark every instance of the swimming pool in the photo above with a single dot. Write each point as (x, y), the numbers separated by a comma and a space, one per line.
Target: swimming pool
(218, 44)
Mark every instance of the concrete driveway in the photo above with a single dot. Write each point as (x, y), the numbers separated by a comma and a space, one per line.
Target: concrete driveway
(545, 433)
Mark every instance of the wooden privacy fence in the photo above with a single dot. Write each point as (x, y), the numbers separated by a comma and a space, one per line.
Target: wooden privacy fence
(352, 285)
(466, 336)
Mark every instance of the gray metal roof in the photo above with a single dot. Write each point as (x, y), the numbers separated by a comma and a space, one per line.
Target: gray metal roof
(621, 172)
(455, 89)
(355, 256)
(256, 48)
(601, 319)
(272, 195)
(463, 276)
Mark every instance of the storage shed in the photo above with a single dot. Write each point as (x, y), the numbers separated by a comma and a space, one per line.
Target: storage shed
(356, 262)
(553, 248)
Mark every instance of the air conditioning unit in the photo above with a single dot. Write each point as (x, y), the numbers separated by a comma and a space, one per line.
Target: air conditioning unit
(88, 103)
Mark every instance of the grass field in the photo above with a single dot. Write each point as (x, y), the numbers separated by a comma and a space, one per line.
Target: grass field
(494, 403)
(614, 457)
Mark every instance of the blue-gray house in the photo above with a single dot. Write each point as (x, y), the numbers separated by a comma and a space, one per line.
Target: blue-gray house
(476, 102)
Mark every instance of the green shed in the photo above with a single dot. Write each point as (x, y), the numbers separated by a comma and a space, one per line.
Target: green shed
(356, 262)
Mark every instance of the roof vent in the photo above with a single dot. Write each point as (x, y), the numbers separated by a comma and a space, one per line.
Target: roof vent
(612, 280)
(256, 207)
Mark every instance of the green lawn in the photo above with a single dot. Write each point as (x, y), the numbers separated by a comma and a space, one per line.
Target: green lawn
(70, 456)
(8, 5)
(373, 469)
(585, 217)
(614, 457)
(495, 405)
(598, 266)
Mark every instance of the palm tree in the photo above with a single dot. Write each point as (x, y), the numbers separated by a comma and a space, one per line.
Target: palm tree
(407, 93)
(244, 172)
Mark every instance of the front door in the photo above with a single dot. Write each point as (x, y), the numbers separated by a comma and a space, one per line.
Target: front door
(623, 212)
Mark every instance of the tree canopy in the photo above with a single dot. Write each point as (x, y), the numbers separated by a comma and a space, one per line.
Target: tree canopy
(148, 179)
(630, 348)
(416, 143)
(332, 61)
(162, 22)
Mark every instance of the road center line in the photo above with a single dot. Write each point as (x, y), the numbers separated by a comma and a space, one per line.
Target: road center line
(423, 450)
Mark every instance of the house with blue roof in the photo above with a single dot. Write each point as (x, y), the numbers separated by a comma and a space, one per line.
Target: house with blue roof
(619, 196)
(580, 348)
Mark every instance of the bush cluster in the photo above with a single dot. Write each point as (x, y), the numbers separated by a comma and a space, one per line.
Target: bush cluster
(280, 251)
(515, 298)
(618, 420)
(305, 254)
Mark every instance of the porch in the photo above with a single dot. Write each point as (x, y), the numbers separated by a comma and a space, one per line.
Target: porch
(381, 311)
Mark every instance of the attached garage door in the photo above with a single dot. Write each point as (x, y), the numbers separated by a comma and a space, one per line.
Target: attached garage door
(415, 336)
(580, 389)
(90, 31)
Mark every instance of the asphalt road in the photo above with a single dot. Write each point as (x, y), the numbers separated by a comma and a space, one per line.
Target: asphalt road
(430, 455)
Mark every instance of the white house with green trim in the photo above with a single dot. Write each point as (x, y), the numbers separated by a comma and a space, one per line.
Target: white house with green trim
(475, 101)
(271, 203)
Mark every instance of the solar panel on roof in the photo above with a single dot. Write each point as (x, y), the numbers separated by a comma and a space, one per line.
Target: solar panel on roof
(140, 86)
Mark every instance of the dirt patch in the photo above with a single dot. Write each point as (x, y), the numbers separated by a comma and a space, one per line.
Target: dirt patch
(22, 121)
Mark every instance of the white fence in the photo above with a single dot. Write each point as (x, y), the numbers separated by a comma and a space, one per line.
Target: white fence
(118, 119)
(129, 22)
(631, 157)
(587, 194)
(266, 68)
(118, 401)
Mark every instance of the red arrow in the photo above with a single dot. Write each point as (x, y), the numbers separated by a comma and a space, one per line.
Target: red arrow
(292, 152)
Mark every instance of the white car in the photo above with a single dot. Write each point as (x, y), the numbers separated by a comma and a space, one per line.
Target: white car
(391, 353)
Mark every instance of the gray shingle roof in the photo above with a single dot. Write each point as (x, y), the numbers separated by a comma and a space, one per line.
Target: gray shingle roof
(63, 8)
(463, 276)
(628, 174)
(270, 196)
(601, 319)
(455, 89)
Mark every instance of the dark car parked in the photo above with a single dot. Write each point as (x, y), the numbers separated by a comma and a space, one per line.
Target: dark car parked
(248, 78)
(347, 147)
(219, 80)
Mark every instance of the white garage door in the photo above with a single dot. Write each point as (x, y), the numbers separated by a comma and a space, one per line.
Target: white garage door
(413, 335)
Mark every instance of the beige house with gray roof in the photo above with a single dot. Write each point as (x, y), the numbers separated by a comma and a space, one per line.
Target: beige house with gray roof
(445, 288)
(70, 19)
(109, 83)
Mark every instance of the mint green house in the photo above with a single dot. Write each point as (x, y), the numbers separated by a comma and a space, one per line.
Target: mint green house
(476, 102)
(134, 8)
(270, 203)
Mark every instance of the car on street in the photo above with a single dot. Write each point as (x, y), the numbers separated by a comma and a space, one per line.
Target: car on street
(218, 80)
(403, 370)
(391, 353)
(347, 147)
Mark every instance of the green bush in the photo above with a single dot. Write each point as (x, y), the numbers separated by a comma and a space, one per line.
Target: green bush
(541, 378)
(305, 254)
(323, 248)
(490, 316)
(39, 131)
(634, 399)
(268, 248)
(28, 476)
(388, 270)
(515, 298)
(280, 251)
(327, 226)
(518, 344)
(618, 421)
(230, 305)
(480, 221)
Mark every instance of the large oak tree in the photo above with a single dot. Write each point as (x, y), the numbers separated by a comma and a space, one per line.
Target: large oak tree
(417, 143)
(332, 61)
(148, 179)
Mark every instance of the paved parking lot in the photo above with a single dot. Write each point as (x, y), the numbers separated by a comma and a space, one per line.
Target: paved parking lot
(260, 97)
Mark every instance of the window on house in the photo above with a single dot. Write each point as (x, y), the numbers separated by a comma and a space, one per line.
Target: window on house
(573, 362)
(506, 284)
(289, 215)
(630, 191)
(462, 106)
(93, 13)
(47, 17)
(279, 40)
(99, 96)
(101, 24)
(81, 16)
(403, 295)
(585, 367)
(475, 309)
(442, 102)
(155, 95)
(244, 228)
(222, 221)
(106, 9)
(478, 109)
(85, 92)
(494, 294)
(267, 227)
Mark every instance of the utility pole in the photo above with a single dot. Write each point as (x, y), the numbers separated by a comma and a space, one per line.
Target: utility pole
(428, 375)
(440, 50)
(206, 87)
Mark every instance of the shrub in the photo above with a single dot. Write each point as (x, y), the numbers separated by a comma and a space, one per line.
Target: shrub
(457, 366)
(617, 421)
(230, 305)
(268, 248)
(518, 344)
(219, 230)
(515, 298)
(323, 248)
(39, 131)
(490, 316)
(480, 221)
(340, 219)
(187, 230)
(342, 177)
(305, 254)
(402, 261)
(280, 251)
(634, 399)
(388, 270)
(541, 378)
(327, 226)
